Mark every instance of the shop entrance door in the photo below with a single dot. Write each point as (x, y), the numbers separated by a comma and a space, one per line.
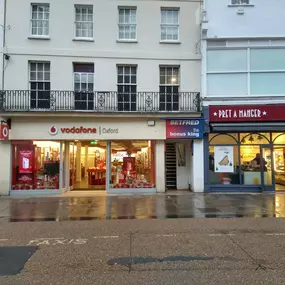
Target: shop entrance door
(266, 168)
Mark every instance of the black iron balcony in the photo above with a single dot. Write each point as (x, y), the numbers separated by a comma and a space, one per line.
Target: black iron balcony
(101, 102)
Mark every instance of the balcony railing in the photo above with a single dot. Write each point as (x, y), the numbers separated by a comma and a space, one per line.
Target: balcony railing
(101, 102)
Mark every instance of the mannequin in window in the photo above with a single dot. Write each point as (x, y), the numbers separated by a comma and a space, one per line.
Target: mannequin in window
(258, 161)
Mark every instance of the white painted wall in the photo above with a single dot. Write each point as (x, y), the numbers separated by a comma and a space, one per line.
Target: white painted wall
(5, 167)
(263, 19)
(148, 53)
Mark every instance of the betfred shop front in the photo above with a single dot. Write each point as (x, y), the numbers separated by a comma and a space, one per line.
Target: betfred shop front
(245, 149)
(122, 156)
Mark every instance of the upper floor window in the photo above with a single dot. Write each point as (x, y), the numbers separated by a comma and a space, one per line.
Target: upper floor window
(40, 20)
(169, 88)
(240, 2)
(169, 24)
(83, 86)
(127, 24)
(83, 22)
(39, 85)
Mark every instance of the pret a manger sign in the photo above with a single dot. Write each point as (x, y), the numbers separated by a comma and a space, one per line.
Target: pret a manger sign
(245, 113)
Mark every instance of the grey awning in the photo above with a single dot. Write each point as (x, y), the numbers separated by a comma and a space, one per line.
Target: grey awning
(248, 127)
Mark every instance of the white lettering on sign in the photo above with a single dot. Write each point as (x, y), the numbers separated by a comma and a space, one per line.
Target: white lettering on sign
(57, 241)
(248, 113)
(184, 122)
(177, 134)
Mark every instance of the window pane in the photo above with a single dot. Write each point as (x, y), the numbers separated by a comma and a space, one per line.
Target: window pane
(216, 158)
(267, 83)
(227, 60)
(227, 84)
(267, 59)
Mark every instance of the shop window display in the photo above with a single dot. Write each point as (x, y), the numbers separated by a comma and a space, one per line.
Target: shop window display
(35, 165)
(132, 164)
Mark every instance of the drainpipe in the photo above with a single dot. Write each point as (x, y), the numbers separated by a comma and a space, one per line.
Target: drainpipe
(3, 44)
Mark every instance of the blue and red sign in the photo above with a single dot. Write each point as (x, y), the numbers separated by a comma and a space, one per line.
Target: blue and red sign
(185, 129)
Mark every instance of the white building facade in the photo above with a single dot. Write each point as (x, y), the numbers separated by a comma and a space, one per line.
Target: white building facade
(243, 73)
(99, 95)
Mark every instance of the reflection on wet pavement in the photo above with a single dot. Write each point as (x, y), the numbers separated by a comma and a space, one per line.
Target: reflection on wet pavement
(143, 207)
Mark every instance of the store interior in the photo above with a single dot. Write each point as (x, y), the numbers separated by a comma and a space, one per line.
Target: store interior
(36, 165)
(258, 161)
(131, 165)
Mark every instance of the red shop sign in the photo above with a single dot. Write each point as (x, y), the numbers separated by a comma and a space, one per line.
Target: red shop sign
(247, 113)
(4, 131)
(26, 161)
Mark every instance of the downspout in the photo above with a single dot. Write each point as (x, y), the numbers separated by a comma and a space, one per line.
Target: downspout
(4, 44)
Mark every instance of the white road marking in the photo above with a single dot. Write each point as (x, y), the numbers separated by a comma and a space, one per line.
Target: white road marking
(169, 235)
(276, 234)
(3, 239)
(220, 235)
(105, 237)
(57, 241)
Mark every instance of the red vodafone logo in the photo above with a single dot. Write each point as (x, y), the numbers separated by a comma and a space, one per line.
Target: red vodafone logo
(5, 133)
(53, 130)
(74, 130)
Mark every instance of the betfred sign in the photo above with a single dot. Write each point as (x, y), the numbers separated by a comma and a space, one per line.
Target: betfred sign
(247, 113)
(185, 129)
(4, 131)
(74, 130)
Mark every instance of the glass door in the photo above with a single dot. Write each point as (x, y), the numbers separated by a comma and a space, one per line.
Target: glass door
(266, 168)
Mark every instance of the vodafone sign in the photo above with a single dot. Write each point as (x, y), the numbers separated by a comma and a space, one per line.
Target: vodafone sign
(4, 132)
(53, 130)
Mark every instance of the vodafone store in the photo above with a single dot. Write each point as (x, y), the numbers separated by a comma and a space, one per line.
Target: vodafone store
(82, 154)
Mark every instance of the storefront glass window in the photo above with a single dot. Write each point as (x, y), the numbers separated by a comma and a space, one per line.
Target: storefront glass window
(224, 165)
(278, 138)
(133, 164)
(252, 138)
(223, 139)
(35, 165)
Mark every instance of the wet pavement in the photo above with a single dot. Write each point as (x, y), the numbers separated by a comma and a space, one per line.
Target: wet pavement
(167, 206)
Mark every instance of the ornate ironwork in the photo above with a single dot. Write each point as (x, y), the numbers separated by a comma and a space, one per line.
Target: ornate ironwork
(64, 101)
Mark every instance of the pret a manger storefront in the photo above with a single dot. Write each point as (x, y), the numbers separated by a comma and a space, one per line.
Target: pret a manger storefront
(60, 154)
(245, 150)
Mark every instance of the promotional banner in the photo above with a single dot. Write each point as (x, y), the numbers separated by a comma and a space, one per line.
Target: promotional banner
(26, 161)
(224, 159)
(185, 129)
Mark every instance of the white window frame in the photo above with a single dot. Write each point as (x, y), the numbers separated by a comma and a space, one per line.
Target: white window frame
(124, 24)
(81, 74)
(248, 46)
(240, 2)
(30, 71)
(169, 25)
(87, 38)
(44, 36)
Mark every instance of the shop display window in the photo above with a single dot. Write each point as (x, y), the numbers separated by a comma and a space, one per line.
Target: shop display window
(88, 165)
(133, 164)
(35, 165)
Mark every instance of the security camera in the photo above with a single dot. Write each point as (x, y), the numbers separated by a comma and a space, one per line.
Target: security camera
(7, 56)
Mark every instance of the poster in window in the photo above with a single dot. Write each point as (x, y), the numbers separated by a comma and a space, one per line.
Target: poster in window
(224, 159)
(26, 162)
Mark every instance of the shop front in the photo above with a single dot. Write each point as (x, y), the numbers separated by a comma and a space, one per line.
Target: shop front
(245, 148)
(183, 153)
(86, 154)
